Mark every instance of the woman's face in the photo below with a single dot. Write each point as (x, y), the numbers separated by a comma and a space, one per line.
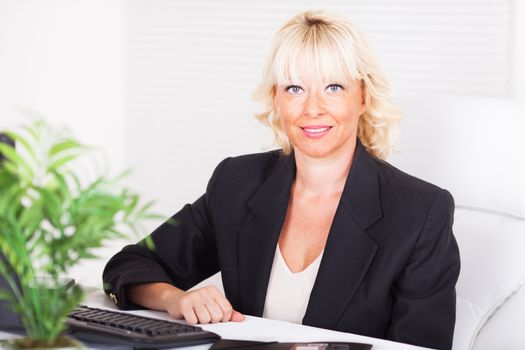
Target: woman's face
(320, 118)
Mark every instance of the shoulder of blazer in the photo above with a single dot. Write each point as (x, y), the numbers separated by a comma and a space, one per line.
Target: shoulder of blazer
(237, 180)
(409, 191)
(256, 161)
(389, 174)
(249, 169)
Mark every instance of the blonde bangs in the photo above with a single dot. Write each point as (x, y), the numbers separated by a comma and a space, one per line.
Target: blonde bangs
(314, 49)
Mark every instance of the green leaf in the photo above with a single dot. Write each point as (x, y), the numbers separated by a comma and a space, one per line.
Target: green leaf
(148, 241)
(23, 142)
(51, 205)
(87, 255)
(122, 175)
(13, 169)
(10, 201)
(76, 180)
(130, 207)
(65, 145)
(10, 154)
(33, 130)
(5, 295)
(31, 217)
(60, 162)
(62, 185)
(145, 209)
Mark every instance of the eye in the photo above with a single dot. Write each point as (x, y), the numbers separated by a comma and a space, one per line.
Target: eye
(294, 89)
(334, 88)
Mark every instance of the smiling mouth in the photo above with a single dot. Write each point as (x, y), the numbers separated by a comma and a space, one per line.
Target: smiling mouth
(315, 131)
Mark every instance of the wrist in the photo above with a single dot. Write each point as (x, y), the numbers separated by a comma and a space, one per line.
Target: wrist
(170, 296)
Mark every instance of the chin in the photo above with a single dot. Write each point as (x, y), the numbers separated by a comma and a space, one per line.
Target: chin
(325, 150)
(314, 152)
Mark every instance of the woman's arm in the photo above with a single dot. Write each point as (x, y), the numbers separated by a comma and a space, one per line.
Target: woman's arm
(183, 254)
(424, 295)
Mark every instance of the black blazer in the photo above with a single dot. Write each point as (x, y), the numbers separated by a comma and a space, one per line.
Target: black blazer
(389, 267)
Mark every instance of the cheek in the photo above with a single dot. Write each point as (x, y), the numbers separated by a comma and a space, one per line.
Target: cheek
(351, 111)
(290, 112)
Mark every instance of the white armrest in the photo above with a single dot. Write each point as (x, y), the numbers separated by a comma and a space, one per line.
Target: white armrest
(505, 329)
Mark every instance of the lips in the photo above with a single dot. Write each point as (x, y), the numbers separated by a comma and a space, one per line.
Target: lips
(315, 131)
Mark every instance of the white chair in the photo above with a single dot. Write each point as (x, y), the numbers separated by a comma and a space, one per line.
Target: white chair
(475, 148)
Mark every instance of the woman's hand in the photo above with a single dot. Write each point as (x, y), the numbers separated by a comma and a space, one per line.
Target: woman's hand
(203, 305)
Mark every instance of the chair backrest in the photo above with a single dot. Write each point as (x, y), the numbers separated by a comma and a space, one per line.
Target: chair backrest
(472, 146)
(475, 148)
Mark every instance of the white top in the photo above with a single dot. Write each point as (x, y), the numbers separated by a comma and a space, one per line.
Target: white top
(288, 293)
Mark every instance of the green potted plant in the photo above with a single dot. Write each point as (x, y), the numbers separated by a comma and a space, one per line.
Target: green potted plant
(50, 219)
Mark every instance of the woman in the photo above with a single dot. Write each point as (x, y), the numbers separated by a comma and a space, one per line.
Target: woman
(323, 232)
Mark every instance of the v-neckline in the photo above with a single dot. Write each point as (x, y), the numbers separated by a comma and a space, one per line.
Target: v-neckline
(281, 258)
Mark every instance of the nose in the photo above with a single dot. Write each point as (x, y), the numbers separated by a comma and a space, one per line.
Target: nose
(313, 107)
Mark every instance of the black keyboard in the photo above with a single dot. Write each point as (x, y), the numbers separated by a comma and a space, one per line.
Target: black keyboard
(112, 327)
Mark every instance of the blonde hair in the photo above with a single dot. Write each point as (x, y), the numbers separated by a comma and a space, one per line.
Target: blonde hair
(332, 47)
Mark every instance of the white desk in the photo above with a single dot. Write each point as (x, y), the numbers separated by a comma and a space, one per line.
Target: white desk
(256, 328)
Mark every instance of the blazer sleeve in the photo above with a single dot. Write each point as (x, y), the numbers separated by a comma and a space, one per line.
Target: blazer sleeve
(184, 252)
(424, 308)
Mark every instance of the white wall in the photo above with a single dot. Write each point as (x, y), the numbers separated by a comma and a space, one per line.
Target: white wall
(519, 51)
(63, 59)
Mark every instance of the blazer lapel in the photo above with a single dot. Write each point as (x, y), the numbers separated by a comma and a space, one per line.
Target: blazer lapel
(349, 250)
(259, 234)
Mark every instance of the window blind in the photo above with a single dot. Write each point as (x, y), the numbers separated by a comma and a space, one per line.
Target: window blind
(192, 66)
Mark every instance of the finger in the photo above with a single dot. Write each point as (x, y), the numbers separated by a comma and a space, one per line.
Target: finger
(226, 308)
(189, 315)
(202, 313)
(175, 314)
(237, 316)
(214, 310)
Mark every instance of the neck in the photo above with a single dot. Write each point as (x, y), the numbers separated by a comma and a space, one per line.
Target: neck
(323, 176)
